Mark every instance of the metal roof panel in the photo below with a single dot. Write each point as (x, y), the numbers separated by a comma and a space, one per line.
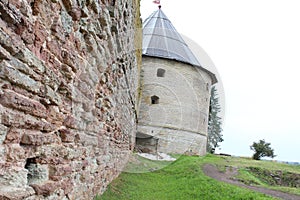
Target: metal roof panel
(161, 39)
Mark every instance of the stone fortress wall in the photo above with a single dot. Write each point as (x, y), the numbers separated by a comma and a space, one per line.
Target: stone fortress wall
(178, 121)
(68, 79)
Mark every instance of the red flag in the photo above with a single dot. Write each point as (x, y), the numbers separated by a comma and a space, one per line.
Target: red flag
(156, 1)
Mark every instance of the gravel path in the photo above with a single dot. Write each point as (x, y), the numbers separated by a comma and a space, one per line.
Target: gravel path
(213, 172)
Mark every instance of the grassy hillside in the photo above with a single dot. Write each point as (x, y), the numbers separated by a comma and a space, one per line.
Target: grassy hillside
(184, 179)
(254, 172)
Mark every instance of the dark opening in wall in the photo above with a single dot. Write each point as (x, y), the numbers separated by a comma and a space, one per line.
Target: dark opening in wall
(37, 173)
(30, 161)
(28, 166)
(161, 72)
(154, 100)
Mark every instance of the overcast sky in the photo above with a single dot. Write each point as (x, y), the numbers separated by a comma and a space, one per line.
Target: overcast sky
(255, 47)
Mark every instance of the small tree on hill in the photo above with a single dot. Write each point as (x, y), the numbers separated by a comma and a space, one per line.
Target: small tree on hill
(214, 122)
(262, 149)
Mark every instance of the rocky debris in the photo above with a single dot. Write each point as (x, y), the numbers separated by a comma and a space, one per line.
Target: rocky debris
(276, 177)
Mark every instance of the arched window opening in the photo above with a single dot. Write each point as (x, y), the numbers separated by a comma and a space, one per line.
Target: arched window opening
(161, 72)
(154, 99)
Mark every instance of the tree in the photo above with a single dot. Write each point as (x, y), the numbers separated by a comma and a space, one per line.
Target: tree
(262, 149)
(214, 122)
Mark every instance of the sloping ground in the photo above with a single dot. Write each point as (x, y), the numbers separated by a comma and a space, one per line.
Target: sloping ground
(229, 177)
(182, 179)
(186, 178)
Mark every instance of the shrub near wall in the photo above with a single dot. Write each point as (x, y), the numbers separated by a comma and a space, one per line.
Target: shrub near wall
(68, 74)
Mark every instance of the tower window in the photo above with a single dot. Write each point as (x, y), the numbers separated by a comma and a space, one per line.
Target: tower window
(161, 72)
(154, 99)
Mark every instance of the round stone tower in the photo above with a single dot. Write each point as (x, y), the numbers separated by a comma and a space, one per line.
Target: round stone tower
(175, 92)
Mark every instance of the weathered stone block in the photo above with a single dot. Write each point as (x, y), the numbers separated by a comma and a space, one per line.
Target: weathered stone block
(76, 152)
(9, 40)
(30, 59)
(70, 59)
(24, 68)
(70, 122)
(55, 48)
(15, 153)
(69, 4)
(46, 188)
(4, 54)
(67, 71)
(86, 140)
(38, 138)
(13, 176)
(52, 96)
(13, 193)
(14, 135)
(41, 34)
(60, 170)
(20, 102)
(68, 186)
(75, 121)
(24, 7)
(10, 13)
(25, 30)
(16, 77)
(49, 159)
(55, 115)
(66, 135)
(57, 29)
(75, 13)
(52, 79)
(23, 121)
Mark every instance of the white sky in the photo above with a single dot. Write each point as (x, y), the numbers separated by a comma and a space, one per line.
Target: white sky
(255, 46)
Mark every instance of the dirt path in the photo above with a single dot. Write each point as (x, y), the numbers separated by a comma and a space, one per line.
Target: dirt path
(213, 172)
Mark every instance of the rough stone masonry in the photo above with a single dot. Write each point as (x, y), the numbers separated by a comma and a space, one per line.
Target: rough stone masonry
(68, 79)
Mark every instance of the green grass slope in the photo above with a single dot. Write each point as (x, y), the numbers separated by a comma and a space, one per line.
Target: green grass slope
(184, 179)
(265, 169)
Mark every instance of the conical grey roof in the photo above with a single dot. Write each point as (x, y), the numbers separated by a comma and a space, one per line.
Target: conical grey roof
(160, 39)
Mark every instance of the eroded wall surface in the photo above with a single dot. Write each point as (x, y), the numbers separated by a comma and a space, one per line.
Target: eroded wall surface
(68, 79)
